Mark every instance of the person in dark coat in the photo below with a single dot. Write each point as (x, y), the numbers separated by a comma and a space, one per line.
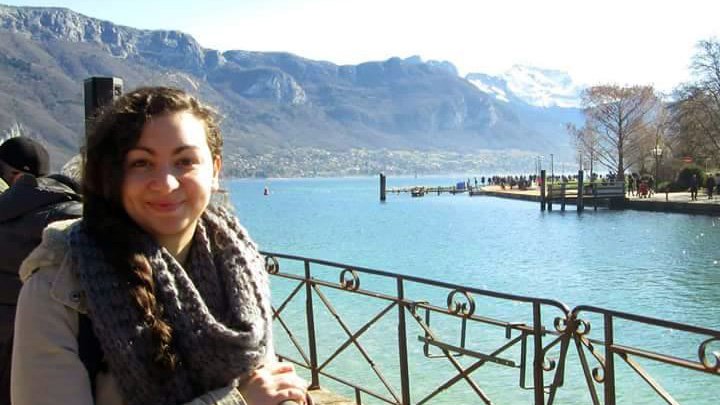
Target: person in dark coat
(31, 202)
(710, 186)
(693, 187)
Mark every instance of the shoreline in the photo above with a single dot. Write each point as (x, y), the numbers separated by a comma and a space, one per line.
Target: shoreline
(677, 202)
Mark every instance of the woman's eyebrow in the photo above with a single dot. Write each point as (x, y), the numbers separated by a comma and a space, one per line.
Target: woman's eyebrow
(176, 151)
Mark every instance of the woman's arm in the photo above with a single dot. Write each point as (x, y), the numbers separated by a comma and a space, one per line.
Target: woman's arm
(46, 368)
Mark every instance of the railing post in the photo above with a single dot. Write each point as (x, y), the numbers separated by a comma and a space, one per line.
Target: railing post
(538, 358)
(310, 315)
(609, 362)
(402, 344)
(563, 191)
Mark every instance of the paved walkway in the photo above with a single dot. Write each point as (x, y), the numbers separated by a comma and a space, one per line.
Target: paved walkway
(672, 202)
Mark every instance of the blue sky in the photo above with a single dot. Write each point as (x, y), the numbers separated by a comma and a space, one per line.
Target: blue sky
(610, 41)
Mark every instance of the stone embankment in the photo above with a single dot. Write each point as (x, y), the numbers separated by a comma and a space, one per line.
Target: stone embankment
(678, 202)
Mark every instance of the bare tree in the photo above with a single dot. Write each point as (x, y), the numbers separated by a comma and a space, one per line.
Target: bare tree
(619, 117)
(696, 114)
(585, 142)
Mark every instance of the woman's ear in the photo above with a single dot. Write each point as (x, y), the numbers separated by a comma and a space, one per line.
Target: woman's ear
(217, 167)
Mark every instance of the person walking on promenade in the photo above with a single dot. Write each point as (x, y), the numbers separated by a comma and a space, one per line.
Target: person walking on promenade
(693, 187)
(717, 183)
(710, 186)
(26, 208)
(173, 289)
(630, 185)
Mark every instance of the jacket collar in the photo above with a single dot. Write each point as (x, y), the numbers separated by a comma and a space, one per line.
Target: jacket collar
(53, 253)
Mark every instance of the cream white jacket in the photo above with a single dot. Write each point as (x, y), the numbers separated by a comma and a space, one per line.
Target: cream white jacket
(46, 367)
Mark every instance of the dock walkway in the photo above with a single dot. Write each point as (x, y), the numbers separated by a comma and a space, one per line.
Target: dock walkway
(679, 202)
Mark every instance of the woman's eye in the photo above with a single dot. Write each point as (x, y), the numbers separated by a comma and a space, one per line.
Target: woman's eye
(139, 163)
(186, 162)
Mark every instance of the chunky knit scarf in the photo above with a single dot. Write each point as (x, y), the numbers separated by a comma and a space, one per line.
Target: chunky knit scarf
(218, 309)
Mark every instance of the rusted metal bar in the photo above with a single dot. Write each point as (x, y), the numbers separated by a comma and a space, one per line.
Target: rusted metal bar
(356, 336)
(648, 379)
(310, 319)
(538, 357)
(586, 371)
(357, 344)
(402, 345)
(449, 383)
(609, 382)
(473, 353)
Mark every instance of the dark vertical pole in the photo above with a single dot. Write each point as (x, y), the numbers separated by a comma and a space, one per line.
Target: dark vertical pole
(99, 92)
(310, 314)
(580, 191)
(542, 190)
(609, 362)
(538, 357)
(402, 344)
(562, 191)
(382, 187)
(595, 196)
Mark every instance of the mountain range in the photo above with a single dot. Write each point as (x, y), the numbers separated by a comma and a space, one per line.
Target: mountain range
(271, 100)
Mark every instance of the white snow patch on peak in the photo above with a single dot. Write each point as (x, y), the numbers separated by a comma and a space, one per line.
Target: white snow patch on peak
(531, 85)
(490, 89)
(543, 87)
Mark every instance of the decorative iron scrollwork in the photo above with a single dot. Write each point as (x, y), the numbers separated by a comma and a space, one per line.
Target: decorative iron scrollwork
(582, 327)
(549, 364)
(466, 308)
(271, 265)
(351, 284)
(561, 324)
(598, 374)
(706, 358)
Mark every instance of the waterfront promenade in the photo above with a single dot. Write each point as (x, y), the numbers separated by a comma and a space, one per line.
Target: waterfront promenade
(678, 202)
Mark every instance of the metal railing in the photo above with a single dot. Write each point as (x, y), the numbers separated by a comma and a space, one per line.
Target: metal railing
(535, 343)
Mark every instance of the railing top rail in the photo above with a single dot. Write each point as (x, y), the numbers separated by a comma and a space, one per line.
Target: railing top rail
(647, 320)
(489, 293)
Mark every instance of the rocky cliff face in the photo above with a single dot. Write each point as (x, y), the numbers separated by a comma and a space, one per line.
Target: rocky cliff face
(269, 100)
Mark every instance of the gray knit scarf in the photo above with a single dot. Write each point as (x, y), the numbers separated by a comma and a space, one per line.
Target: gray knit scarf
(218, 309)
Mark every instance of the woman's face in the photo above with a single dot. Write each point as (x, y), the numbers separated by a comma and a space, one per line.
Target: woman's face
(169, 178)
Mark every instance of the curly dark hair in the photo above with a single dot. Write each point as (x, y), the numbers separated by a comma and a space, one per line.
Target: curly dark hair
(116, 131)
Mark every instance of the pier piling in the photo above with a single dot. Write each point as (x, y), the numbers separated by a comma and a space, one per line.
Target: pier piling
(580, 191)
(542, 190)
(382, 187)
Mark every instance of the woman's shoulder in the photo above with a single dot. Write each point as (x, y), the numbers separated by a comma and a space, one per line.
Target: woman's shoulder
(52, 249)
(48, 267)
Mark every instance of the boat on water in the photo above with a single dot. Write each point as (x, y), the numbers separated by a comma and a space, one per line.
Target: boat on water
(417, 191)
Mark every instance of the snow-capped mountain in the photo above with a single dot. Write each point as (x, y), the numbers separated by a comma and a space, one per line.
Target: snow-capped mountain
(530, 85)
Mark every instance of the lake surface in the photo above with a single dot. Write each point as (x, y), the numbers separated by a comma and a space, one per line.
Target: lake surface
(654, 264)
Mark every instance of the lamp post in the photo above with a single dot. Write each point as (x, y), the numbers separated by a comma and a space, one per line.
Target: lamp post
(552, 168)
(657, 151)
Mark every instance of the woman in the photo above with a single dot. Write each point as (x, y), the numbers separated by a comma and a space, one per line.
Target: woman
(175, 291)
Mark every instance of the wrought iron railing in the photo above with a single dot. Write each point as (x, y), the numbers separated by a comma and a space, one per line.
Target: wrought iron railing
(449, 325)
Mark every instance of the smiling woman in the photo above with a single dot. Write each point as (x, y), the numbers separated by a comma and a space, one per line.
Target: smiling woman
(174, 291)
(169, 178)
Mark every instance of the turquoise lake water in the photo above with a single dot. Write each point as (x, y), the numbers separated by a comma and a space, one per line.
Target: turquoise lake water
(655, 264)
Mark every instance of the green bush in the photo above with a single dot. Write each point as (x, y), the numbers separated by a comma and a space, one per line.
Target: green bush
(683, 180)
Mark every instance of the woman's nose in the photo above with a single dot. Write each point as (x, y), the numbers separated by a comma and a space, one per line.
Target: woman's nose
(164, 180)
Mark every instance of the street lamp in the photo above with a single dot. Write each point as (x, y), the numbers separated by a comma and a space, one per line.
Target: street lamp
(552, 168)
(657, 151)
